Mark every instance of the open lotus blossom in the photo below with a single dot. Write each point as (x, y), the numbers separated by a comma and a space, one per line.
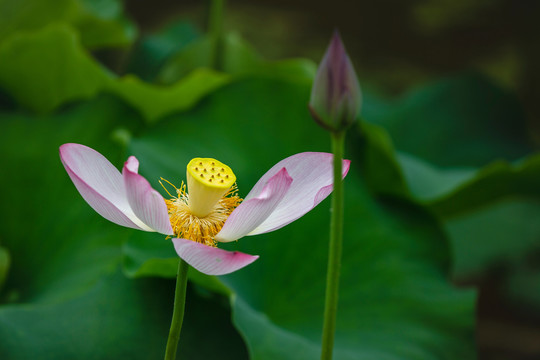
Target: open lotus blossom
(210, 211)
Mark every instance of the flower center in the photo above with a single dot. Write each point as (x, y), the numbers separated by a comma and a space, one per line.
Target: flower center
(199, 213)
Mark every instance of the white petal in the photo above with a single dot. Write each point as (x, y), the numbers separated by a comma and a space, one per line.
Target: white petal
(254, 211)
(210, 260)
(100, 184)
(312, 174)
(147, 204)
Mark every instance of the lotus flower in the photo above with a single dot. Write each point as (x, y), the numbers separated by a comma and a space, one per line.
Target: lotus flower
(211, 211)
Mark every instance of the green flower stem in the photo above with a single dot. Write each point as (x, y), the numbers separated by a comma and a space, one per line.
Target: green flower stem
(335, 249)
(215, 32)
(178, 311)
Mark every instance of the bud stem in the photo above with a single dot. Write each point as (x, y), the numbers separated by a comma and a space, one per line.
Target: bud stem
(335, 249)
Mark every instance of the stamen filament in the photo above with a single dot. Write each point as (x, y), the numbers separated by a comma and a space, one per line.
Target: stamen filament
(164, 188)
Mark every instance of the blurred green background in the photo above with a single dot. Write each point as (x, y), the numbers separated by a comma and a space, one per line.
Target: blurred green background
(442, 228)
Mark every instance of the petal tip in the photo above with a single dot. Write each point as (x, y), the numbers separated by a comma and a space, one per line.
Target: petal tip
(346, 167)
(64, 149)
(284, 175)
(132, 164)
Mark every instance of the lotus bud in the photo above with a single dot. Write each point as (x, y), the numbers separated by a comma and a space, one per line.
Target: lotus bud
(335, 96)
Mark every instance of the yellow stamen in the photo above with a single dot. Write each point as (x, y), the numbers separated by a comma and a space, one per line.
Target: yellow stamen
(168, 182)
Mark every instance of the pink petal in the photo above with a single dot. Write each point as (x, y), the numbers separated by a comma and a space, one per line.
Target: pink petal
(254, 211)
(312, 174)
(147, 204)
(211, 260)
(100, 184)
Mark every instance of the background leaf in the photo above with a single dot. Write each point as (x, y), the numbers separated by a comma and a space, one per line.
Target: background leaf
(461, 141)
(99, 23)
(152, 51)
(66, 73)
(239, 58)
(460, 121)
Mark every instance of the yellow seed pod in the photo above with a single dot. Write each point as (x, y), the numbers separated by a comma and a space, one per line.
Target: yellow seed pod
(207, 180)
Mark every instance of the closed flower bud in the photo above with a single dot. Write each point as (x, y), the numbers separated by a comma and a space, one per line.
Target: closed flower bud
(335, 96)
